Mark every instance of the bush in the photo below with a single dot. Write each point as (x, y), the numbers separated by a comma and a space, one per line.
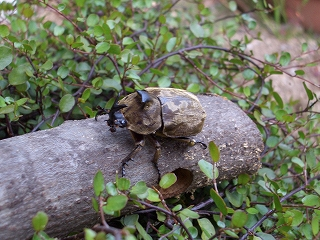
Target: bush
(60, 69)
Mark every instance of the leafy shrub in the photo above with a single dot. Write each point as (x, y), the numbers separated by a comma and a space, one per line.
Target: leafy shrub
(54, 71)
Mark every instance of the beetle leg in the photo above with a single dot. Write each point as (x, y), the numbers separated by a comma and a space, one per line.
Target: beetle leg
(100, 112)
(157, 153)
(139, 142)
(192, 141)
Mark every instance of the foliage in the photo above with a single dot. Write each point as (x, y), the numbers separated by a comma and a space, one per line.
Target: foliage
(54, 70)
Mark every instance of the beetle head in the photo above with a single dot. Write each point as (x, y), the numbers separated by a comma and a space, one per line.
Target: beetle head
(116, 118)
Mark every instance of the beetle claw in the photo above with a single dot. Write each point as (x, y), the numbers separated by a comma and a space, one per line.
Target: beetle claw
(124, 164)
(203, 145)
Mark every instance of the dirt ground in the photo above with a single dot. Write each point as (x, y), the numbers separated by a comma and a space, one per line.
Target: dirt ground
(286, 38)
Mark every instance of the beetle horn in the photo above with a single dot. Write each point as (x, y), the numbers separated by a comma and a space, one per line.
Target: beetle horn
(145, 97)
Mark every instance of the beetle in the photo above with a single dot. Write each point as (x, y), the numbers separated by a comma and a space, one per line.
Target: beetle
(166, 112)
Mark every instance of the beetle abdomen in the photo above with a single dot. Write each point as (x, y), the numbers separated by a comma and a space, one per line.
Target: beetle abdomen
(182, 113)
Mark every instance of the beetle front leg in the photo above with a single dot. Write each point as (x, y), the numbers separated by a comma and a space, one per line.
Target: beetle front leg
(139, 142)
(192, 141)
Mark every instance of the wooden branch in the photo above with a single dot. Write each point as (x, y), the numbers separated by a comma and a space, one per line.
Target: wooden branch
(53, 170)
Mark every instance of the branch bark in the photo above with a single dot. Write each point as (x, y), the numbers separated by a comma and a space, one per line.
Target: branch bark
(52, 170)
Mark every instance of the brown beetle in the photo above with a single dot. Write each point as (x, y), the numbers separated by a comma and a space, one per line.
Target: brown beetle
(166, 112)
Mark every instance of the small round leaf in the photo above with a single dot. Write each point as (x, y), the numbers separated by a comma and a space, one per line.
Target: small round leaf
(239, 218)
(167, 180)
(98, 183)
(116, 203)
(39, 221)
(5, 57)
(66, 103)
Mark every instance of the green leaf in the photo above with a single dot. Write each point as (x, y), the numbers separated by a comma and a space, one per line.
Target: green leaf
(153, 196)
(61, 7)
(114, 49)
(66, 103)
(111, 189)
(206, 168)
(208, 230)
(89, 234)
(135, 59)
(63, 71)
(4, 31)
(116, 3)
(234, 198)
(164, 82)
(243, 178)
(231, 233)
(193, 231)
(189, 213)
(18, 76)
(95, 204)
(297, 161)
(21, 101)
(232, 6)
(47, 65)
(177, 208)
(214, 151)
(7, 109)
(311, 200)
(123, 184)
(277, 202)
(304, 47)
(272, 58)
(214, 70)
(196, 29)
(299, 72)
(102, 47)
(39, 221)
(140, 188)
(252, 211)
(219, 202)
(98, 31)
(315, 225)
(127, 41)
(285, 59)
(142, 232)
(162, 19)
(97, 82)
(278, 99)
(308, 91)
(265, 236)
(167, 180)
(248, 74)
(257, 116)
(272, 141)
(27, 12)
(171, 44)
(5, 57)
(239, 218)
(92, 20)
(98, 183)
(116, 203)
(247, 91)
(193, 87)
(294, 216)
(58, 30)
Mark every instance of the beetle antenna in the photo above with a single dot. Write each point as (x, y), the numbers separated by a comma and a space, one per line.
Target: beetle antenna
(115, 107)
